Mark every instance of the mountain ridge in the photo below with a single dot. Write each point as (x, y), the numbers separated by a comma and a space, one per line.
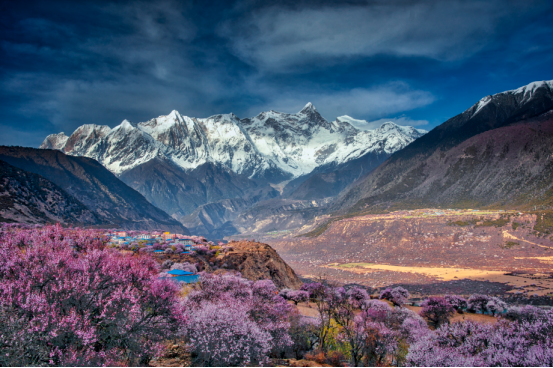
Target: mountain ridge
(404, 179)
(181, 163)
(271, 146)
(94, 186)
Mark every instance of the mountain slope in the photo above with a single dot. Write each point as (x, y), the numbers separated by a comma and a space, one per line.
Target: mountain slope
(330, 180)
(461, 162)
(179, 193)
(29, 198)
(214, 219)
(94, 186)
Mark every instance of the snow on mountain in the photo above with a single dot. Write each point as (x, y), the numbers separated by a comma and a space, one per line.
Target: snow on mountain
(528, 90)
(359, 124)
(522, 95)
(55, 141)
(272, 145)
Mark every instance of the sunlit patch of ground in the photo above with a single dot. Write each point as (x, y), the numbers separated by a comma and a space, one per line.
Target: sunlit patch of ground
(440, 273)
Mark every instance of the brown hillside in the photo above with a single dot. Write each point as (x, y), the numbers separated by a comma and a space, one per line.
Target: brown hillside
(258, 261)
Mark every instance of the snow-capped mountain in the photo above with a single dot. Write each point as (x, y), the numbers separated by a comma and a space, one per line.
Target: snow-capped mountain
(272, 146)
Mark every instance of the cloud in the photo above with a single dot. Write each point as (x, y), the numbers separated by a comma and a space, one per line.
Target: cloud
(402, 120)
(282, 38)
(361, 103)
(67, 63)
(130, 60)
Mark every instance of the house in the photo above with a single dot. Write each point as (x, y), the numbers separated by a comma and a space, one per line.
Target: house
(167, 235)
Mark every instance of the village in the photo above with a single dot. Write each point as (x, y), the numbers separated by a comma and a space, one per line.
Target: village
(163, 245)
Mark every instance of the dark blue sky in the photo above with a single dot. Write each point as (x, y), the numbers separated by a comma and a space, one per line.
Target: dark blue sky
(64, 64)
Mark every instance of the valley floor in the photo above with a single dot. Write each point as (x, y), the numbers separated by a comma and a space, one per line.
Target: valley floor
(430, 252)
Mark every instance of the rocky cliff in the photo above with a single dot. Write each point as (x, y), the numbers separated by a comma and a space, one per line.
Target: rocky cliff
(258, 261)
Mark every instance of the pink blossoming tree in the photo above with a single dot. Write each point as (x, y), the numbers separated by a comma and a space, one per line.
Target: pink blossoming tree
(67, 300)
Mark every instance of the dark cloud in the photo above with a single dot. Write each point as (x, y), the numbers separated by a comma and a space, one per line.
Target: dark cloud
(280, 38)
(67, 63)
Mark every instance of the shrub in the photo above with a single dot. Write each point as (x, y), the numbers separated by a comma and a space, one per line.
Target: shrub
(377, 311)
(503, 344)
(298, 296)
(222, 334)
(321, 295)
(356, 296)
(397, 295)
(201, 250)
(314, 289)
(185, 266)
(496, 305)
(437, 310)
(167, 264)
(303, 332)
(457, 302)
(527, 313)
(146, 250)
(316, 356)
(478, 303)
(386, 294)
(284, 293)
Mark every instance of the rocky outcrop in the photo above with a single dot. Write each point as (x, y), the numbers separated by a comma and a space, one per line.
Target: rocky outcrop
(258, 261)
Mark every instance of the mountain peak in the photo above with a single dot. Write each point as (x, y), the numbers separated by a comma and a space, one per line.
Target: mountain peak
(54, 141)
(356, 123)
(174, 114)
(126, 125)
(388, 125)
(308, 108)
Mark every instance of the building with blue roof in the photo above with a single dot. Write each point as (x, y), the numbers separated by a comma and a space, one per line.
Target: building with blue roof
(188, 279)
(183, 276)
(179, 273)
